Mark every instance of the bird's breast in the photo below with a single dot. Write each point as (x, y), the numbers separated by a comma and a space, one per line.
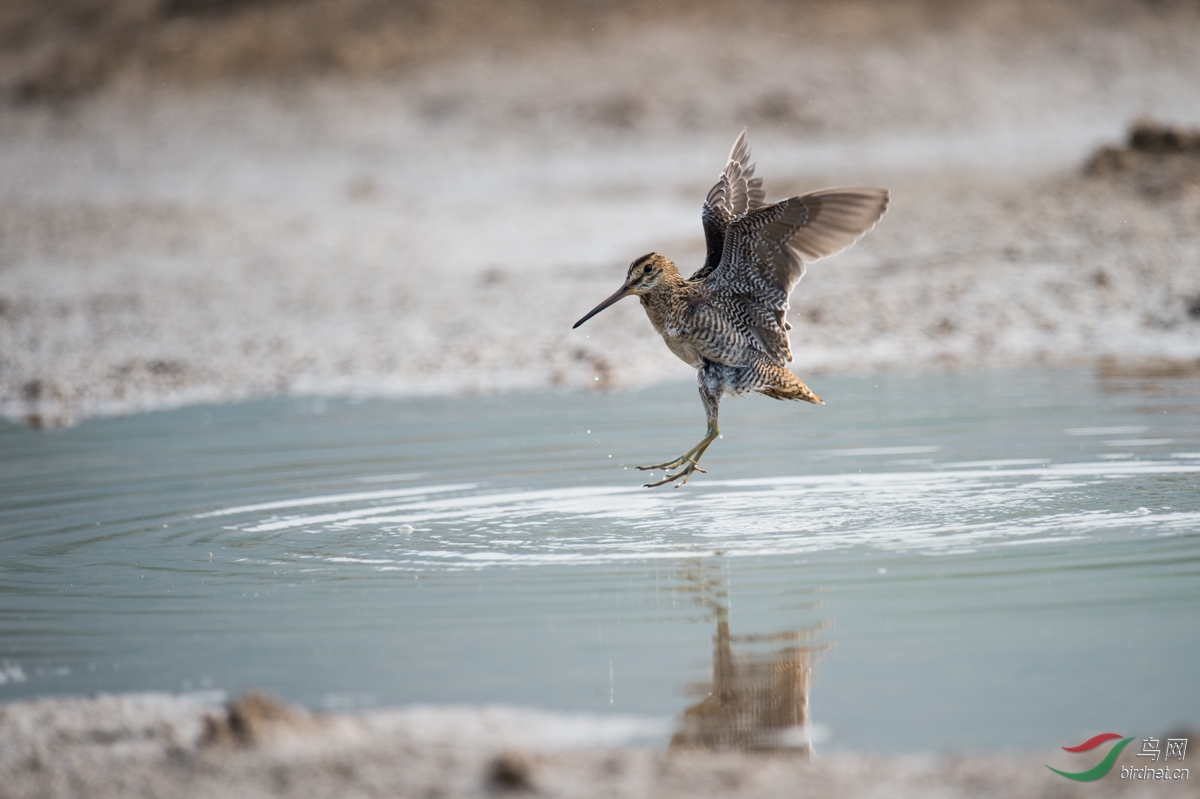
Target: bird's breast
(697, 330)
(685, 348)
(674, 323)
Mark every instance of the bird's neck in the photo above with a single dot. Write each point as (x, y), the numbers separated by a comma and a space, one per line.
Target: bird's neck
(665, 300)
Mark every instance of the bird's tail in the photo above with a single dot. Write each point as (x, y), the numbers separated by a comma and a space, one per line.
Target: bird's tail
(784, 385)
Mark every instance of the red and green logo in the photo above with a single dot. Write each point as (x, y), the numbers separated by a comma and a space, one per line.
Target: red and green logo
(1100, 769)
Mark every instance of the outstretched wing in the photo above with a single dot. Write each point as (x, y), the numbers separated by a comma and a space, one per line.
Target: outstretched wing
(765, 250)
(736, 191)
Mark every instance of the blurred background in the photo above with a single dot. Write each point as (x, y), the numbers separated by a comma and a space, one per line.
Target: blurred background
(215, 199)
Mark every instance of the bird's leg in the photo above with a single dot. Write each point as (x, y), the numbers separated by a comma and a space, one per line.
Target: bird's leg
(711, 388)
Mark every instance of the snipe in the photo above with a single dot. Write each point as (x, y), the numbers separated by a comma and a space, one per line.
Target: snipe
(727, 319)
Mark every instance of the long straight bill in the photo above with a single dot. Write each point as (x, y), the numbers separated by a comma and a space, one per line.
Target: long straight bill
(621, 292)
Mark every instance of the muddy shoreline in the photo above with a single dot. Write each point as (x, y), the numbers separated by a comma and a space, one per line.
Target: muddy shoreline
(164, 745)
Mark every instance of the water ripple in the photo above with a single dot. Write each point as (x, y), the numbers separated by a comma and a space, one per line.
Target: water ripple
(943, 511)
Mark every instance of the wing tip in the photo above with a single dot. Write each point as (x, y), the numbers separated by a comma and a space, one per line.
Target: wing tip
(856, 224)
(738, 144)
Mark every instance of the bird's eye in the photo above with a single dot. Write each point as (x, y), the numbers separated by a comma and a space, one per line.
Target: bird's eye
(646, 268)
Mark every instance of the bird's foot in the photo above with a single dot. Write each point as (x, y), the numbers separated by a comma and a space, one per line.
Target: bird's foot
(669, 465)
(684, 473)
(687, 463)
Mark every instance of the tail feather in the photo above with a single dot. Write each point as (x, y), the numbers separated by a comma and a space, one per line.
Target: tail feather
(783, 385)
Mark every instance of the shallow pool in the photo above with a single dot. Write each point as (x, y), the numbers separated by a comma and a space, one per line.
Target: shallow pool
(970, 561)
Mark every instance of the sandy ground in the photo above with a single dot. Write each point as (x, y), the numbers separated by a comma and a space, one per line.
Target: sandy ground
(166, 746)
(173, 230)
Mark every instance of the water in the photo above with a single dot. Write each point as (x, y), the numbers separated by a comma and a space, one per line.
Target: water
(999, 560)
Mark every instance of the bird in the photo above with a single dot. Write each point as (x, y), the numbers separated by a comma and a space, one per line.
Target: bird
(728, 320)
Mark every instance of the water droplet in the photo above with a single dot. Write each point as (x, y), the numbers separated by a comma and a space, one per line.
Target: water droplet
(1142, 511)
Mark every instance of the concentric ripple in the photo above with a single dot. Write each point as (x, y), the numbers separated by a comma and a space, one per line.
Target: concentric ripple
(959, 508)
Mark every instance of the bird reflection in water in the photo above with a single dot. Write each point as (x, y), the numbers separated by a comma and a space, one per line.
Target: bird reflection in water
(758, 697)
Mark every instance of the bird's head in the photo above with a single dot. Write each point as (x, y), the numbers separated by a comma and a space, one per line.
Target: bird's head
(644, 274)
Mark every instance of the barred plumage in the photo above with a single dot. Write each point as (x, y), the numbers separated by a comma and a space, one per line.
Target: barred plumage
(728, 319)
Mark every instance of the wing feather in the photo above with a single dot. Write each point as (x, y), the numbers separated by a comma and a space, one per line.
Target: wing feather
(835, 219)
(765, 248)
(735, 192)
